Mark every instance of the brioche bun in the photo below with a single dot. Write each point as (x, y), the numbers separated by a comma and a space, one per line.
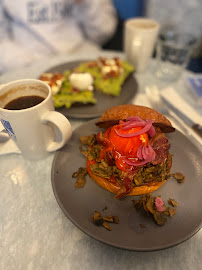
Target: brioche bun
(123, 112)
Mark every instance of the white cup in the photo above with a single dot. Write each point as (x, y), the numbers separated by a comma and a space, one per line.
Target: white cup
(140, 35)
(37, 130)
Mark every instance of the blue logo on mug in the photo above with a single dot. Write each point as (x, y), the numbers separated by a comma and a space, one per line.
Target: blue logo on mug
(8, 128)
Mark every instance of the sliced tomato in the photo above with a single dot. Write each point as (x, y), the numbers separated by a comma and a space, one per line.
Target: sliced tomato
(123, 147)
(127, 146)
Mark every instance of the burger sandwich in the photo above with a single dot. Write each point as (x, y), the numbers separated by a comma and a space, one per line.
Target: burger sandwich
(130, 156)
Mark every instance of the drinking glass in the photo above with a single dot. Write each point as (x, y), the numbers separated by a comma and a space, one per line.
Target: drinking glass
(173, 54)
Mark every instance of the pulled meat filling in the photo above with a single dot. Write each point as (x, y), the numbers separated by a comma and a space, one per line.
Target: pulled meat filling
(103, 164)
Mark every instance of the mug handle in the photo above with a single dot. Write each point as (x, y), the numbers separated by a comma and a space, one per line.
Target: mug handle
(4, 136)
(63, 124)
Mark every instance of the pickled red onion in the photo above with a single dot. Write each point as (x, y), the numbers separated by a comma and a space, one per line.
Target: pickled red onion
(130, 120)
(139, 152)
(152, 131)
(133, 124)
(159, 204)
(144, 153)
(140, 163)
(134, 118)
(140, 132)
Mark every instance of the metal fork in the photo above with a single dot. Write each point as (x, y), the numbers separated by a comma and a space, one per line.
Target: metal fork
(157, 103)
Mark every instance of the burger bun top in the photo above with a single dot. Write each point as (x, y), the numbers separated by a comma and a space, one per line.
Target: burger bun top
(124, 111)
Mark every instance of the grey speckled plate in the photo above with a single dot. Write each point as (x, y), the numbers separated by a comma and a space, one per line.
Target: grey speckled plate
(80, 204)
(129, 89)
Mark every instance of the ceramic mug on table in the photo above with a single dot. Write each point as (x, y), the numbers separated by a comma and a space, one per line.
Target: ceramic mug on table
(29, 117)
(140, 35)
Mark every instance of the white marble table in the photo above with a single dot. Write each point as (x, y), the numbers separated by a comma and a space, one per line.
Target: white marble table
(34, 232)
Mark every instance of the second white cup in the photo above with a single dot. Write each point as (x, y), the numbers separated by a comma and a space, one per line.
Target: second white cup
(140, 35)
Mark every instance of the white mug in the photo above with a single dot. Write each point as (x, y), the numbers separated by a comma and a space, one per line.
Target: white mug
(39, 129)
(140, 35)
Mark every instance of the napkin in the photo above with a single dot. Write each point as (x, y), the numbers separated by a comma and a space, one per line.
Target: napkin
(194, 83)
(172, 97)
(8, 146)
(192, 112)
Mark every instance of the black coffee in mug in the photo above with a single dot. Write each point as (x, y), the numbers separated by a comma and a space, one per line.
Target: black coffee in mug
(28, 115)
(24, 102)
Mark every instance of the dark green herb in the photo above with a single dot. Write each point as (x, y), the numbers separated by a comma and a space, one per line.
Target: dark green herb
(148, 203)
(179, 177)
(102, 221)
(87, 140)
(172, 202)
(80, 175)
(104, 209)
(159, 218)
(172, 211)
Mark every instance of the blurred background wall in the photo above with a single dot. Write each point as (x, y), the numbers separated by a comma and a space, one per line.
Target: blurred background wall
(182, 12)
(125, 9)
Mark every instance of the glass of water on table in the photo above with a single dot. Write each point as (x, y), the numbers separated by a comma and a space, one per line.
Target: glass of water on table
(173, 53)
